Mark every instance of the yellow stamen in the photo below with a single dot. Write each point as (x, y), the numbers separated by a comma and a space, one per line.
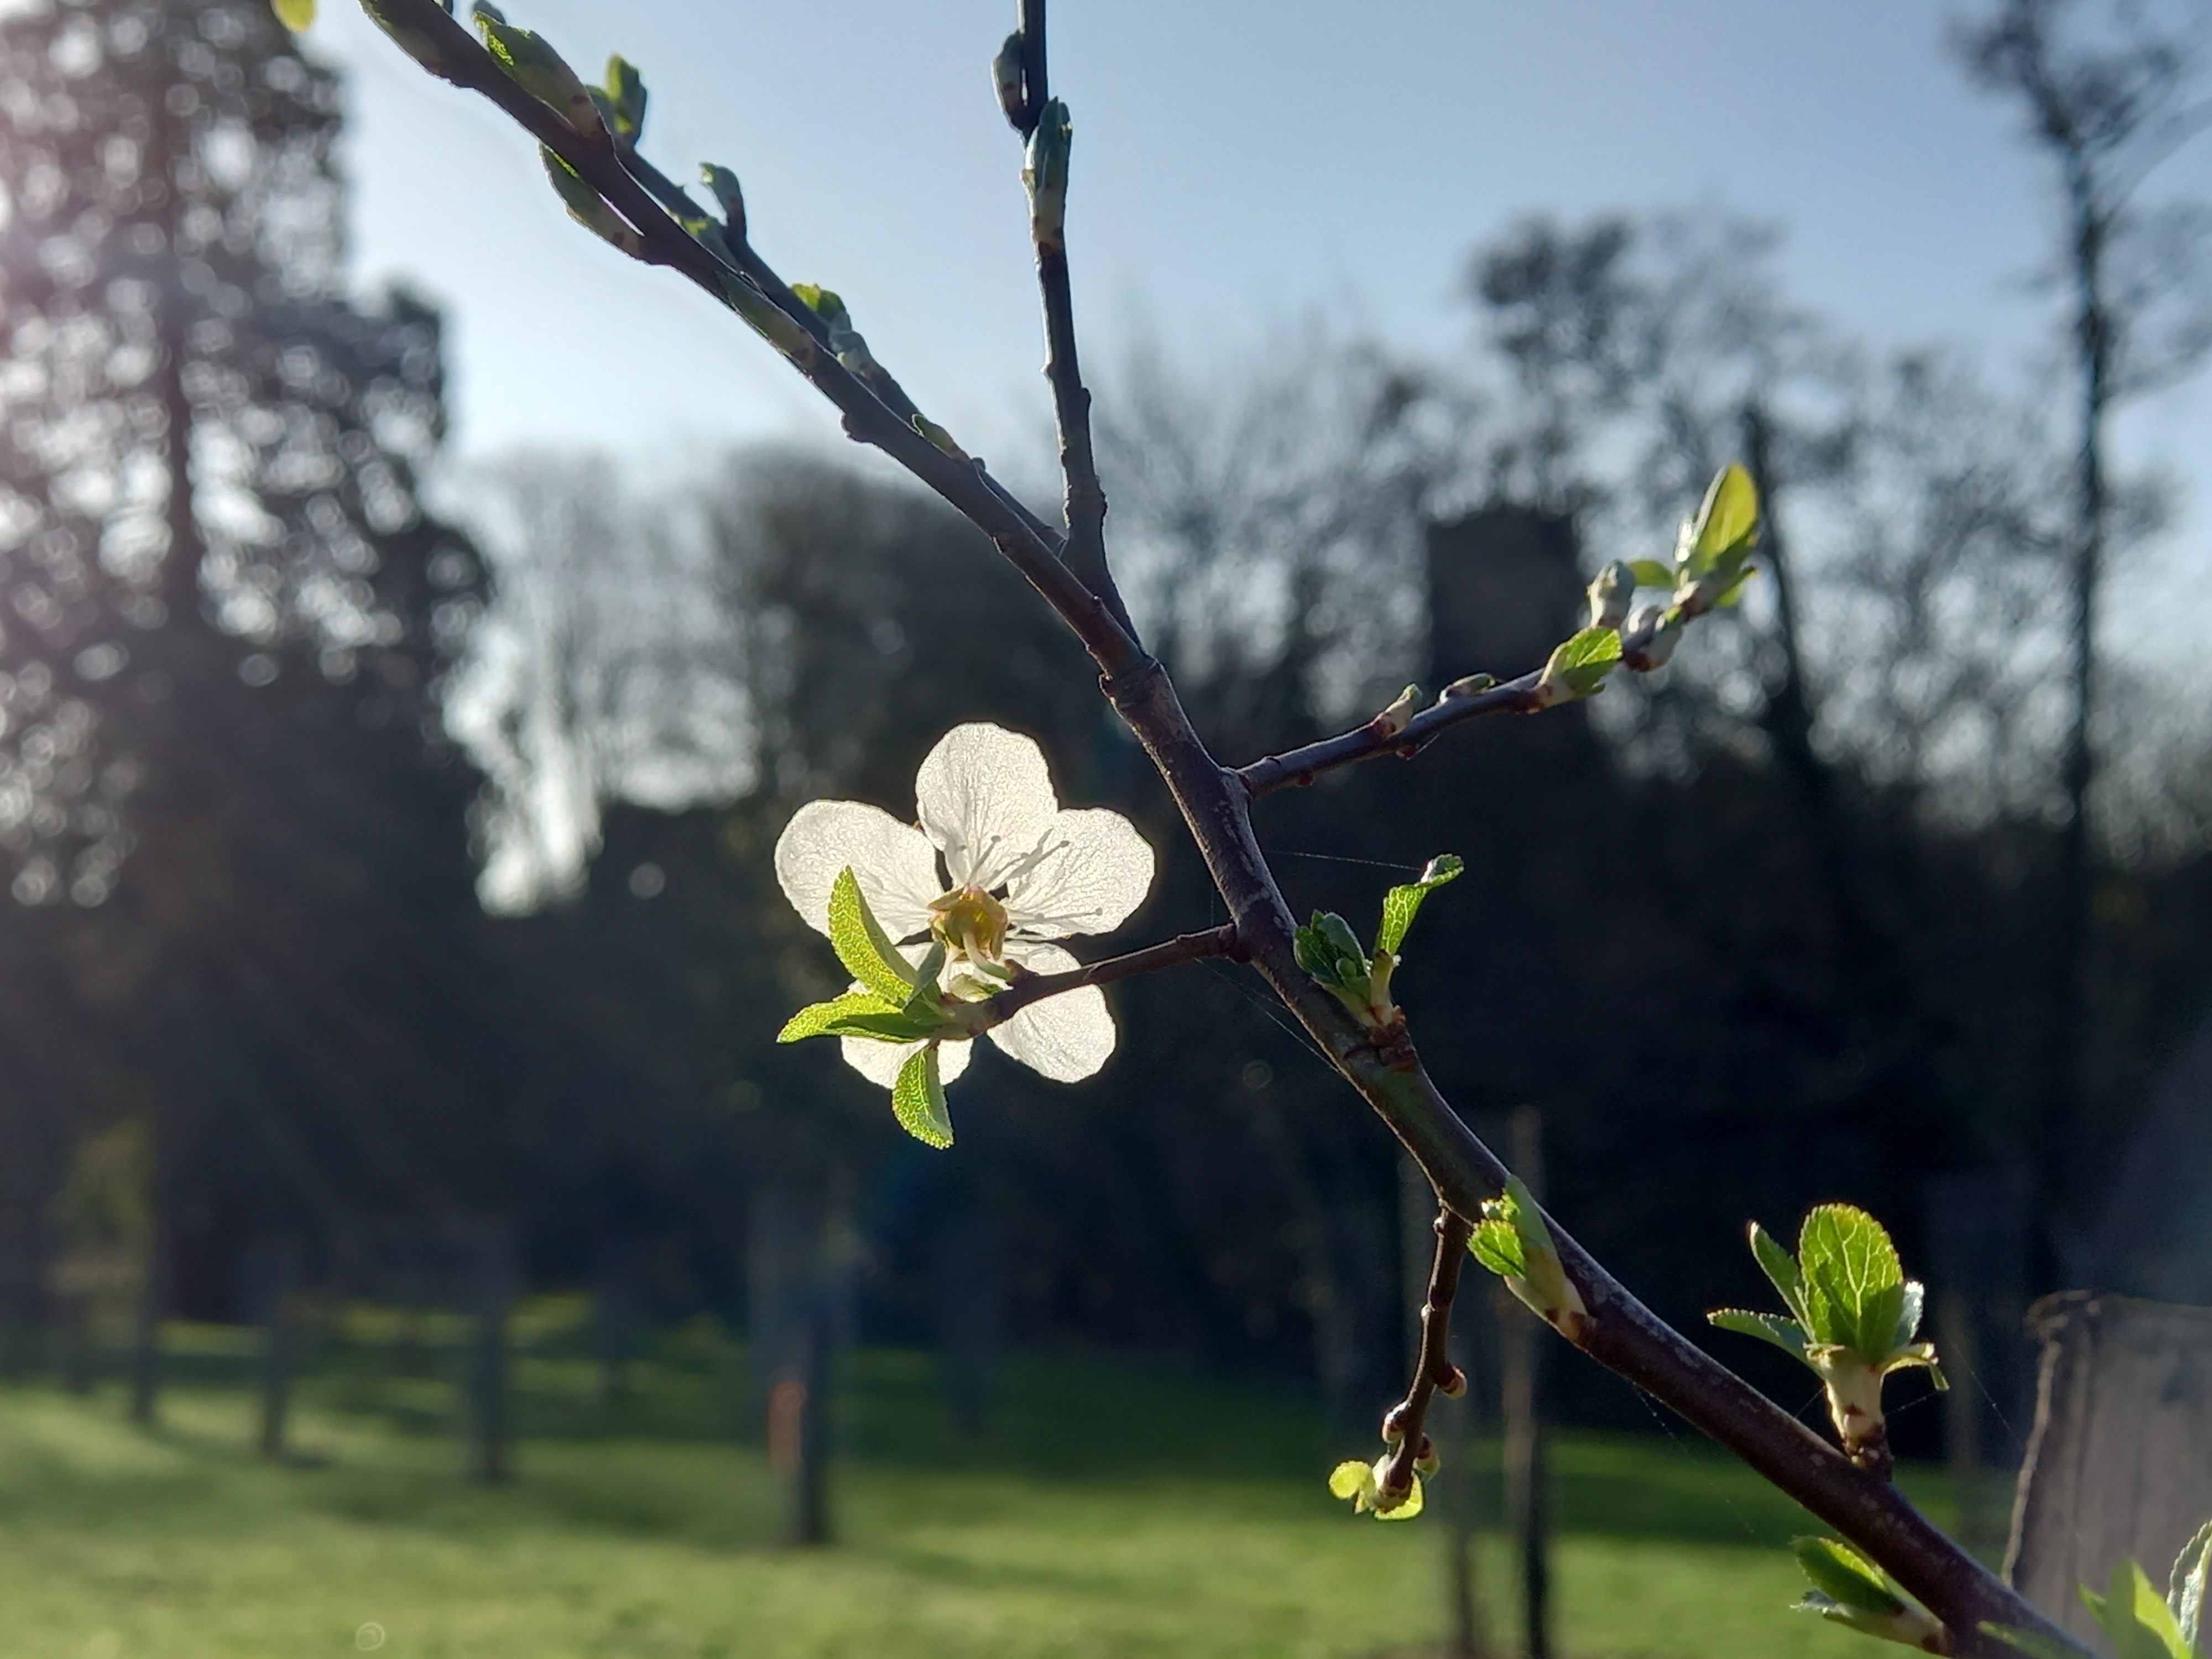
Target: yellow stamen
(970, 920)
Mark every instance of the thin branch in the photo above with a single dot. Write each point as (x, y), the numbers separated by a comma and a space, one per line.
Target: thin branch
(1085, 500)
(1432, 1367)
(868, 419)
(1298, 767)
(1170, 953)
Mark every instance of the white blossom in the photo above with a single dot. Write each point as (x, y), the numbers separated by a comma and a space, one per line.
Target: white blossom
(995, 871)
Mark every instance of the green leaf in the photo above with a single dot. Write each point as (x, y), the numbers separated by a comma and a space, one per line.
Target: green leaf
(1911, 1308)
(1407, 1509)
(1785, 1334)
(1726, 522)
(1846, 1578)
(540, 70)
(918, 1101)
(2031, 1642)
(1780, 1267)
(626, 97)
(823, 302)
(1496, 1243)
(1650, 573)
(1351, 1478)
(2186, 1587)
(820, 1018)
(723, 184)
(297, 15)
(1401, 904)
(1732, 595)
(862, 946)
(1329, 950)
(1854, 1283)
(2138, 1623)
(586, 206)
(922, 1005)
(1582, 661)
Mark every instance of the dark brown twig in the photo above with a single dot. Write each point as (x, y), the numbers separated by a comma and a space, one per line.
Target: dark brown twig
(1432, 1367)
(1085, 497)
(1170, 953)
(1299, 767)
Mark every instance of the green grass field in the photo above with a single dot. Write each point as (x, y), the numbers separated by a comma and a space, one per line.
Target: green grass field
(1111, 1511)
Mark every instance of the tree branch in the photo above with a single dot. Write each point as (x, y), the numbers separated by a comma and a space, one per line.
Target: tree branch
(1432, 1367)
(1085, 500)
(1298, 767)
(1170, 953)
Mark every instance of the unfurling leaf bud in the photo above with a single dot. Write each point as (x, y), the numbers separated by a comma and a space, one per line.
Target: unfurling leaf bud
(723, 184)
(1392, 721)
(625, 98)
(1579, 668)
(540, 70)
(297, 15)
(940, 438)
(1609, 595)
(1007, 77)
(586, 207)
(1653, 632)
(416, 44)
(1045, 174)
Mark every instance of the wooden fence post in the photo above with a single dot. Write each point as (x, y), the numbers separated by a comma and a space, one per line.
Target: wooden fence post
(2119, 1463)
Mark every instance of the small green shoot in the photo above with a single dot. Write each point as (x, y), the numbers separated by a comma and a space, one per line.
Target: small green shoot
(1512, 1242)
(1854, 1592)
(1852, 1318)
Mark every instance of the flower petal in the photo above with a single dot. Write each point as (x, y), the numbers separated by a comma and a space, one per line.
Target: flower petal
(985, 796)
(879, 1062)
(893, 862)
(1098, 871)
(1066, 1037)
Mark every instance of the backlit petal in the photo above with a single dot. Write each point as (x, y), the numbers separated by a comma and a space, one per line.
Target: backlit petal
(1066, 1037)
(1095, 870)
(985, 796)
(879, 1062)
(893, 862)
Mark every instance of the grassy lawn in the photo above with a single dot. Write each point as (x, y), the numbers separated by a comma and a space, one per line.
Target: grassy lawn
(1111, 1511)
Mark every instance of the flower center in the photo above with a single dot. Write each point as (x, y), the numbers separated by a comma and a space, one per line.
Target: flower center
(970, 920)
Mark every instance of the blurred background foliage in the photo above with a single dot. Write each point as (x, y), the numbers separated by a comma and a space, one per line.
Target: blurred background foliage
(390, 870)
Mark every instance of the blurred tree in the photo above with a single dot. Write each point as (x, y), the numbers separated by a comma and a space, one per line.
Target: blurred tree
(226, 611)
(2108, 92)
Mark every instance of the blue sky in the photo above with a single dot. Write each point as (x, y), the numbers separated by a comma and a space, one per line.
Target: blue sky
(1236, 168)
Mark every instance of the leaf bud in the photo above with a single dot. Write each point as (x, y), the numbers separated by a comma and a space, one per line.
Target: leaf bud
(1426, 1461)
(723, 184)
(540, 70)
(1045, 174)
(1007, 77)
(1453, 1386)
(588, 209)
(1472, 685)
(1392, 721)
(1609, 595)
(416, 44)
(1652, 633)
(1393, 1425)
